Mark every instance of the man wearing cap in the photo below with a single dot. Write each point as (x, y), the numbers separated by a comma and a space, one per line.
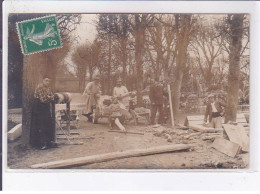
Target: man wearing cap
(121, 93)
(92, 94)
(214, 111)
(42, 122)
(156, 94)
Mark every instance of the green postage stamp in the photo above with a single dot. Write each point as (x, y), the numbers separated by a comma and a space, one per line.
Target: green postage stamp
(39, 34)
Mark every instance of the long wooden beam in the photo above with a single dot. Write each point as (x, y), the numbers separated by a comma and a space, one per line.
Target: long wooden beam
(201, 128)
(111, 156)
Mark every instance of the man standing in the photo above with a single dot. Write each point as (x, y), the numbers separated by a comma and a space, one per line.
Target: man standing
(214, 111)
(121, 93)
(42, 126)
(92, 94)
(156, 98)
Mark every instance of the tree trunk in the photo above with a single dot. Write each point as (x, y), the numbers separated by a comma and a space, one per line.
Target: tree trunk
(176, 92)
(183, 25)
(109, 63)
(124, 57)
(139, 52)
(236, 26)
(31, 77)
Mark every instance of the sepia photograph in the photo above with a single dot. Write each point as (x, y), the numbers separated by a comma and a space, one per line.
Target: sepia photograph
(128, 91)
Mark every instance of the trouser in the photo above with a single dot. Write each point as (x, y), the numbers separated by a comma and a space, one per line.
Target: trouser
(216, 122)
(154, 109)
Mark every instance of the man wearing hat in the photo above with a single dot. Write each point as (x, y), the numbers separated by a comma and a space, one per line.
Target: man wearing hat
(92, 94)
(156, 94)
(214, 111)
(121, 93)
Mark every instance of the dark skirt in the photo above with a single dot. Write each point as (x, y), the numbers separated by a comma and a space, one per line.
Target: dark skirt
(42, 130)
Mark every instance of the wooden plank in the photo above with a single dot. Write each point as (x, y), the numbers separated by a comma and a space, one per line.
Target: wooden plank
(203, 129)
(15, 132)
(130, 132)
(226, 147)
(71, 133)
(111, 156)
(170, 100)
(237, 134)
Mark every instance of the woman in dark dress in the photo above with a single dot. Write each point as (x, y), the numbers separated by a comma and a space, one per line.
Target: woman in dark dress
(42, 131)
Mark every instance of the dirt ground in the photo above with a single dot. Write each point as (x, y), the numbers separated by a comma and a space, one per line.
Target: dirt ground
(97, 139)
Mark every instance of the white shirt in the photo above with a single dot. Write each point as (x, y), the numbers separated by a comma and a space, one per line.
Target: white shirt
(120, 91)
(213, 107)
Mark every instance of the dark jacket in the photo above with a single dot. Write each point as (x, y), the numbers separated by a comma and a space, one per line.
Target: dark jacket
(219, 106)
(156, 93)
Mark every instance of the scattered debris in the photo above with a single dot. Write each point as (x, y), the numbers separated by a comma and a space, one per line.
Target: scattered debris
(183, 127)
(191, 135)
(169, 138)
(156, 126)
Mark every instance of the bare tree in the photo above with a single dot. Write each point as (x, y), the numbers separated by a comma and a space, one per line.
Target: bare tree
(139, 24)
(207, 47)
(184, 29)
(81, 58)
(160, 44)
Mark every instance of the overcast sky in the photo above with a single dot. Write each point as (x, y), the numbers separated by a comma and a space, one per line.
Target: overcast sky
(87, 30)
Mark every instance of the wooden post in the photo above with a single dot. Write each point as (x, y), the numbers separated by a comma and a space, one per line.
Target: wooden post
(170, 99)
(68, 116)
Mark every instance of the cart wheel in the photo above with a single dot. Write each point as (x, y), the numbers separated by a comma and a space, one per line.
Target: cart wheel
(94, 118)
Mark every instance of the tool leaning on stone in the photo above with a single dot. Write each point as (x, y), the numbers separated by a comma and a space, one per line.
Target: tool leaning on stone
(118, 114)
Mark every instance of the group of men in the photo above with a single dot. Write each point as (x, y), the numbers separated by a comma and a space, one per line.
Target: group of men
(120, 92)
(92, 94)
(42, 125)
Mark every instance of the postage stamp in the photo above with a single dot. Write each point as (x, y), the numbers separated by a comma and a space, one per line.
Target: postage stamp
(40, 34)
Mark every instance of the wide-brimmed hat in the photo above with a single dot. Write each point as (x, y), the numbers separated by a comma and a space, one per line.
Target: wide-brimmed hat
(119, 80)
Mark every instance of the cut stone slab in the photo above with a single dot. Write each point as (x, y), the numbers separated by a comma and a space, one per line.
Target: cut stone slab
(191, 120)
(111, 156)
(241, 118)
(15, 132)
(237, 134)
(226, 147)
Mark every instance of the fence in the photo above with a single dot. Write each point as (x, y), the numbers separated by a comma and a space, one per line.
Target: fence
(240, 108)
